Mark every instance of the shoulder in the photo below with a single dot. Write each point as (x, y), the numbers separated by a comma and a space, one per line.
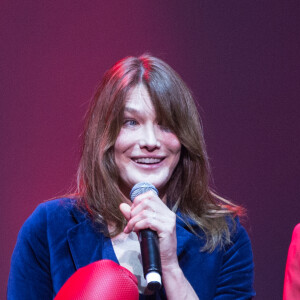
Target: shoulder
(240, 244)
(238, 255)
(48, 225)
(53, 213)
(237, 230)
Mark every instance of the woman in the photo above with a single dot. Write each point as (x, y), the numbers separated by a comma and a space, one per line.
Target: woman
(142, 125)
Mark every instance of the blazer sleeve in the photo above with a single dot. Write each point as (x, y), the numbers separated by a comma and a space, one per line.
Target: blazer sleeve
(30, 276)
(236, 277)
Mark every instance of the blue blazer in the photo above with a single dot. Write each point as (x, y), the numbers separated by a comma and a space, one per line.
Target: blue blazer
(57, 239)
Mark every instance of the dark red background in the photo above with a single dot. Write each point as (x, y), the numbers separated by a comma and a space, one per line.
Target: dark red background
(240, 58)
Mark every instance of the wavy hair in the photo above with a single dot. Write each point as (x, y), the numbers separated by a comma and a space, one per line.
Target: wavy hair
(188, 189)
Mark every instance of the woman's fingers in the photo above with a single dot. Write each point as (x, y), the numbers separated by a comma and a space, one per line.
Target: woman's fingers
(125, 210)
(148, 211)
(145, 219)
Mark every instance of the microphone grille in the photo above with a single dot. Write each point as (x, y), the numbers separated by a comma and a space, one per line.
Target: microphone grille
(141, 188)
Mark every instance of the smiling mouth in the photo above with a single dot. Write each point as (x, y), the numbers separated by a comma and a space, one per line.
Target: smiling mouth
(147, 160)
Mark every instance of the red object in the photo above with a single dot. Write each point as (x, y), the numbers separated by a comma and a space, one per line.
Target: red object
(102, 279)
(291, 290)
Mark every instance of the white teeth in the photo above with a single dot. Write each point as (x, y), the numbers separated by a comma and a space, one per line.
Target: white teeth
(147, 160)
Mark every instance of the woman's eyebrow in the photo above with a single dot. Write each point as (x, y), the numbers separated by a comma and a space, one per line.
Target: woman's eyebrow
(130, 109)
(139, 112)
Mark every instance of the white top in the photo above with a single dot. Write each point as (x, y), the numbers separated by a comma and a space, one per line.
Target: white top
(128, 252)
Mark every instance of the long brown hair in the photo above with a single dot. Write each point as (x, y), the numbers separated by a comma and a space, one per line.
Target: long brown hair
(188, 188)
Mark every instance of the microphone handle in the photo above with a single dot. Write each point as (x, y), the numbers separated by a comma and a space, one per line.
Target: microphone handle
(151, 258)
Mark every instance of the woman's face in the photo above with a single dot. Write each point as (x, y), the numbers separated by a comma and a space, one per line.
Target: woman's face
(145, 151)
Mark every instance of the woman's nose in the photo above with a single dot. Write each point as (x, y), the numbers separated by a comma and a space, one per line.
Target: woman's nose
(149, 138)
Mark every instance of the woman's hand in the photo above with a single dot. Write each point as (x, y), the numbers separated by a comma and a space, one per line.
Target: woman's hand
(149, 211)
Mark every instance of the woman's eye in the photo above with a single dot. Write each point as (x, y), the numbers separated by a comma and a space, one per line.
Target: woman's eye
(130, 122)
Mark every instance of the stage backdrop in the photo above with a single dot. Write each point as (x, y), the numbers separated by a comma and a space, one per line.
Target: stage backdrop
(240, 58)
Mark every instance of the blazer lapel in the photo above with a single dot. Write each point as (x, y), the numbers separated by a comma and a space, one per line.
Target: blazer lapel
(185, 236)
(85, 242)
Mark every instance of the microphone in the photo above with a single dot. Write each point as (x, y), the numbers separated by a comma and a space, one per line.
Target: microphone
(149, 243)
